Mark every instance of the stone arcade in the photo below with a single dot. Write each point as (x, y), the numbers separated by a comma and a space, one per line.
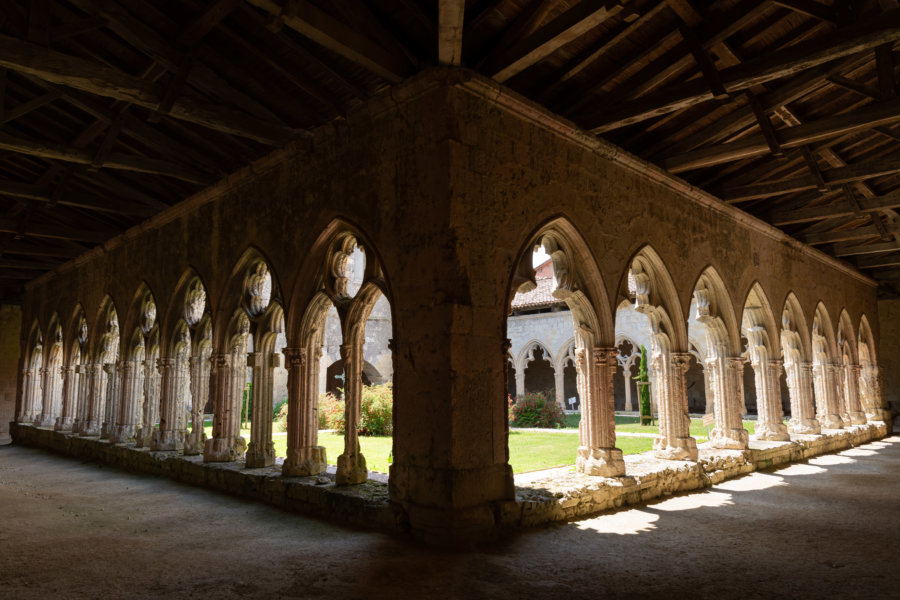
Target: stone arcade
(476, 186)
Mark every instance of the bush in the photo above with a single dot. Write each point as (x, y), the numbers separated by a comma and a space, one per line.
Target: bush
(537, 409)
(281, 412)
(376, 411)
(280, 407)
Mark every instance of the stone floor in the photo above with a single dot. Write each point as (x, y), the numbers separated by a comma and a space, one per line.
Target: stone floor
(827, 527)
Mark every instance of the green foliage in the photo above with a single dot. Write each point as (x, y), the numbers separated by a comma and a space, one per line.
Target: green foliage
(537, 409)
(281, 413)
(280, 406)
(643, 376)
(376, 411)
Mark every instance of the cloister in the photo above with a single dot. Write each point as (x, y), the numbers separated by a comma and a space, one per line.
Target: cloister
(422, 203)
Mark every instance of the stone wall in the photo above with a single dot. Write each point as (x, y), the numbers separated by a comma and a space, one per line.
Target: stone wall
(889, 351)
(10, 344)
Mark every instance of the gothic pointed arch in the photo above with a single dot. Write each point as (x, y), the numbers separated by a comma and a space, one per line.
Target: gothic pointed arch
(648, 285)
(795, 331)
(846, 337)
(713, 304)
(826, 366)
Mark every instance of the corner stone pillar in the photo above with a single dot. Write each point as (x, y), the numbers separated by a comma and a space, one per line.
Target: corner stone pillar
(195, 441)
(559, 385)
(71, 380)
(111, 401)
(28, 386)
(520, 382)
(226, 445)
(351, 465)
(261, 450)
(727, 375)
(304, 457)
(168, 437)
(150, 407)
(48, 405)
(670, 390)
(597, 454)
(95, 400)
(769, 425)
(851, 395)
(626, 372)
(123, 431)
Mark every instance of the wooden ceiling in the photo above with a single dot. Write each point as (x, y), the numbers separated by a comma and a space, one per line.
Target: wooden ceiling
(112, 110)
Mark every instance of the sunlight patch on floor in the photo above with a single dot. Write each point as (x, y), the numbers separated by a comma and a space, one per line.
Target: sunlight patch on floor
(858, 452)
(800, 469)
(831, 459)
(752, 482)
(626, 522)
(700, 500)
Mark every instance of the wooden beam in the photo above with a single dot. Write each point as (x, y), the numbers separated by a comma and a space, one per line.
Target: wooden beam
(16, 275)
(17, 263)
(90, 77)
(877, 262)
(854, 86)
(115, 160)
(856, 172)
(570, 25)
(76, 28)
(839, 209)
(870, 116)
(884, 63)
(776, 65)
(311, 22)
(842, 250)
(26, 107)
(75, 199)
(810, 8)
(451, 14)
(814, 170)
(707, 68)
(56, 231)
(44, 248)
(522, 26)
(765, 126)
(842, 235)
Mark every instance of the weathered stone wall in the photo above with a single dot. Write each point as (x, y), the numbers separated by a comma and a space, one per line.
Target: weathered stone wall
(446, 179)
(889, 351)
(10, 344)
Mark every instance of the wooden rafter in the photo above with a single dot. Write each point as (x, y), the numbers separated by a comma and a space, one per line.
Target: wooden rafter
(838, 209)
(75, 199)
(451, 14)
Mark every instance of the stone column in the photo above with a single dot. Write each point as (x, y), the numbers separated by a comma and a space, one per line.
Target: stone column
(626, 372)
(150, 405)
(48, 415)
(851, 395)
(351, 465)
(96, 399)
(520, 382)
(225, 446)
(304, 457)
(111, 401)
(770, 416)
(669, 387)
(727, 378)
(559, 386)
(800, 386)
(597, 452)
(261, 450)
(831, 418)
(81, 398)
(27, 414)
(166, 437)
(70, 381)
(883, 413)
(195, 441)
(123, 429)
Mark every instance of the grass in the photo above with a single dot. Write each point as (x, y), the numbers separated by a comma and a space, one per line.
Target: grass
(632, 425)
(533, 450)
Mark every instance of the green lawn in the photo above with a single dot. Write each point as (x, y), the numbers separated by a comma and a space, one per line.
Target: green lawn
(632, 425)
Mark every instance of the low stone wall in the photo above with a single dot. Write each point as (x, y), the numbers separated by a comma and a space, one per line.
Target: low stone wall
(553, 495)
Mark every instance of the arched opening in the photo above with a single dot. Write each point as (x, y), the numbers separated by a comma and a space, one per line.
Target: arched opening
(52, 375)
(796, 350)
(104, 380)
(30, 409)
(870, 389)
(712, 321)
(132, 370)
(539, 372)
(848, 384)
(696, 384)
(758, 334)
(80, 359)
(825, 371)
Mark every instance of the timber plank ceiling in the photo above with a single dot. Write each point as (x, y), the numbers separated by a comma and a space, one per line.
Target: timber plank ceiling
(113, 110)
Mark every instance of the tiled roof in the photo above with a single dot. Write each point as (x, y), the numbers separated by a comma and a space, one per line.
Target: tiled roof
(538, 297)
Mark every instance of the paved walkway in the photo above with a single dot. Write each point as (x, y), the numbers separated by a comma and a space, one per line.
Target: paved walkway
(827, 528)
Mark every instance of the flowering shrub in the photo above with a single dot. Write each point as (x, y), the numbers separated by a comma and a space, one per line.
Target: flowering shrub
(376, 411)
(537, 409)
(281, 411)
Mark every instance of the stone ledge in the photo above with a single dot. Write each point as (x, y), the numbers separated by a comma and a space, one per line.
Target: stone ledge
(551, 496)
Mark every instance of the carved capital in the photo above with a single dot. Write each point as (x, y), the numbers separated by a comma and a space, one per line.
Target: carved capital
(681, 361)
(605, 356)
(164, 363)
(735, 362)
(221, 361)
(346, 352)
(255, 360)
(296, 357)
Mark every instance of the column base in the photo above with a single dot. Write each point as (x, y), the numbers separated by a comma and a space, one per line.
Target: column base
(302, 462)
(773, 432)
(194, 444)
(832, 422)
(729, 439)
(122, 434)
(879, 414)
(165, 441)
(804, 426)
(64, 424)
(858, 418)
(49, 422)
(351, 469)
(227, 449)
(90, 429)
(259, 456)
(684, 448)
(600, 462)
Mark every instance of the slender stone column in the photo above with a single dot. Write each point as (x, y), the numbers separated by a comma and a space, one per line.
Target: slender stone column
(800, 386)
(727, 377)
(520, 382)
(883, 413)
(111, 400)
(29, 383)
(769, 425)
(96, 399)
(709, 404)
(70, 379)
(851, 395)
(831, 419)
(164, 438)
(261, 450)
(670, 390)
(129, 394)
(351, 465)
(50, 397)
(304, 456)
(150, 406)
(195, 441)
(81, 398)
(597, 452)
(225, 446)
(626, 372)
(559, 386)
